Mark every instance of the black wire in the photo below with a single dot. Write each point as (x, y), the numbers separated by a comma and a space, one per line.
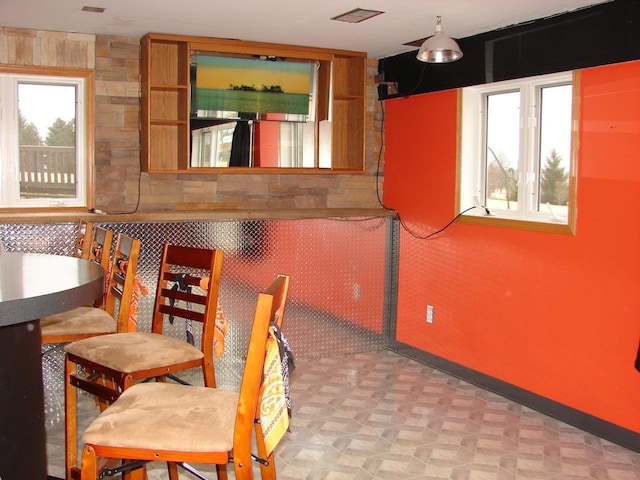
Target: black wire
(135, 210)
(424, 237)
(380, 159)
(415, 87)
(404, 226)
(413, 90)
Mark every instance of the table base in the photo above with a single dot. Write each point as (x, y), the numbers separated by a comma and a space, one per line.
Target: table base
(22, 431)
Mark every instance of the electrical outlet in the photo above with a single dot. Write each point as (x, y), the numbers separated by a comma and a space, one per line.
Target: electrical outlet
(430, 312)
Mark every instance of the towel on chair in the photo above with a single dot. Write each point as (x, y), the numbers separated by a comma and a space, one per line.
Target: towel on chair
(139, 288)
(222, 327)
(275, 408)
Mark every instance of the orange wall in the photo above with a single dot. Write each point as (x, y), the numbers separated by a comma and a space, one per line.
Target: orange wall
(554, 314)
(267, 144)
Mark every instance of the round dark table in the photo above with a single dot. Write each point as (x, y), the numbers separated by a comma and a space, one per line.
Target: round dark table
(32, 286)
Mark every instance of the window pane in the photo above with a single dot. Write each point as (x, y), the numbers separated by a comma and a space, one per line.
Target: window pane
(222, 147)
(502, 153)
(47, 137)
(211, 146)
(555, 150)
(291, 141)
(206, 145)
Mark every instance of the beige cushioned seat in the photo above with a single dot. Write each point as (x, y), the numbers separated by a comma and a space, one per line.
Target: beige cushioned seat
(135, 351)
(167, 416)
(86, 320)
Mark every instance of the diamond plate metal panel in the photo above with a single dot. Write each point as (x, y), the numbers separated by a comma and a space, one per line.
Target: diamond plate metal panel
(336, 306)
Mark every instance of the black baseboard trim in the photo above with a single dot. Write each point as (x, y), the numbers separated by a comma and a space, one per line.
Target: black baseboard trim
(594, 425)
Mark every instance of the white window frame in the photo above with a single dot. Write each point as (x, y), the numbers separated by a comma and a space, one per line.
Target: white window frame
(82, 80)
(472, 154)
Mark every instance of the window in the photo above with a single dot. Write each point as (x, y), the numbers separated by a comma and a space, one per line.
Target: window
(516, 150)
(44, 138)
(211, 146)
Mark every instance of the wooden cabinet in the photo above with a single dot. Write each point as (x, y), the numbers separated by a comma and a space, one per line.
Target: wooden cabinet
(166, 95)
(165, 105)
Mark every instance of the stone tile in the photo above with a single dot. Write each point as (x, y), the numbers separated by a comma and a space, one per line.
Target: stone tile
(378, 415)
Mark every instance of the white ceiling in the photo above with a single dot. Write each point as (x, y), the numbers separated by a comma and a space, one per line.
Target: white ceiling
(297, 22)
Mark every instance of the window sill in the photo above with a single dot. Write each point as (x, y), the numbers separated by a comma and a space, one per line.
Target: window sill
(545, 227)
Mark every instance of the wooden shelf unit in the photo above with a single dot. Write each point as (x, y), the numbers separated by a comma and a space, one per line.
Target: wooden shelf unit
(165, 105)
(348, 110)
(166, 92)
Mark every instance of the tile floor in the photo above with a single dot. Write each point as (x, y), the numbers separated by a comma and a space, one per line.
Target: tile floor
(379, 415)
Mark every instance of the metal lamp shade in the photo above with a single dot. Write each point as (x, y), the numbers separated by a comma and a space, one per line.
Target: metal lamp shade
(439, 48)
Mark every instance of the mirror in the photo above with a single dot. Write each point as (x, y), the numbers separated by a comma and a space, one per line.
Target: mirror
(253, 143)
(252, 111)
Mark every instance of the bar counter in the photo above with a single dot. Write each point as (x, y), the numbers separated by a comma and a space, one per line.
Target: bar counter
(197, 215)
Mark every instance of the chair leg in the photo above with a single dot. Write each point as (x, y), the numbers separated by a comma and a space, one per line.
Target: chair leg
(221, 472)
(89, 464)
(172, 468)
(108, 382)
(137, 474)
(267, 472)
(99, 379)
(70, 419)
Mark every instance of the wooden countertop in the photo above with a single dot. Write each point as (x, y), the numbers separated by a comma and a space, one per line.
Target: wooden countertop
(195, 215)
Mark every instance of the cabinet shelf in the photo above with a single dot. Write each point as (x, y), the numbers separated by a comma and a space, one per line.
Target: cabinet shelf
(155, 121)
(168, 87)
(348, 97)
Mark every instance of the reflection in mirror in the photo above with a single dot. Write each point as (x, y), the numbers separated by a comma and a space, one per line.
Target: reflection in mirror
(211, 145)
(249, 143)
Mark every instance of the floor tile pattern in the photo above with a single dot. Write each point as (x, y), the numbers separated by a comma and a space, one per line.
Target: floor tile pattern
(379, 415)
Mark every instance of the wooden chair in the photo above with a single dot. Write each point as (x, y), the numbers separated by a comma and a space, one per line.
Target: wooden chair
(81, 249)
(84, 322)
(177, 423)
(268, 467)
(115, 362)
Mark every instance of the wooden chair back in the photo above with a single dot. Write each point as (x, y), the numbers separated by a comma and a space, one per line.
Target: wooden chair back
(122, 280)
(188, 287)
(269, 304)
(100, 246)
(280, 299)
(279, 291)
(100, 243)
(82, 245)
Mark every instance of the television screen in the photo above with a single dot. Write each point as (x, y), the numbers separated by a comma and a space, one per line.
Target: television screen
(230, 87)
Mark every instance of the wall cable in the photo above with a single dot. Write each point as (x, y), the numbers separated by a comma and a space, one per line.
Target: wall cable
(402, 223)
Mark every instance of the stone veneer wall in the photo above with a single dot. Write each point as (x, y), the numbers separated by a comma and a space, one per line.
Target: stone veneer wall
(119, 186)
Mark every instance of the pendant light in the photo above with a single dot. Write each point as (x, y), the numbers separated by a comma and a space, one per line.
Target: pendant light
(439, 48)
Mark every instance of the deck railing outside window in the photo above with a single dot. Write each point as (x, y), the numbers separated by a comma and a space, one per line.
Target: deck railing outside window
(47, 171)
